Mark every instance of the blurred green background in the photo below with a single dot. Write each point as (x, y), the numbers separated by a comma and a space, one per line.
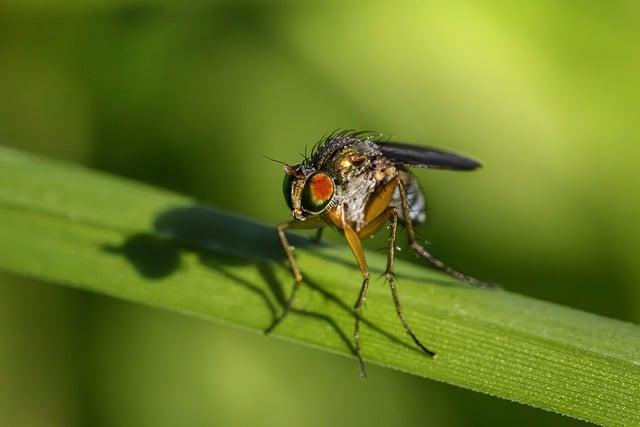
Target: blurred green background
(189, 94)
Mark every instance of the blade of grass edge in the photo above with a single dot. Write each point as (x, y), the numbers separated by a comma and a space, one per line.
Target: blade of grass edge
(73, 226)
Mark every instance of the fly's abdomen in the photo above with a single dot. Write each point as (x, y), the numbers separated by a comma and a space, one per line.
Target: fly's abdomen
(415, 198)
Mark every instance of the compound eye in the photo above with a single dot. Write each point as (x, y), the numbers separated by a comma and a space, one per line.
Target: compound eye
(318, 192)
(286, 189)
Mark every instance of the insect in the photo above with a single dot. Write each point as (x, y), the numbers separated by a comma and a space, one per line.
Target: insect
(357, 182)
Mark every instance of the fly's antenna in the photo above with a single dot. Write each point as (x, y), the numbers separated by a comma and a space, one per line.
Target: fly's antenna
(276, 161)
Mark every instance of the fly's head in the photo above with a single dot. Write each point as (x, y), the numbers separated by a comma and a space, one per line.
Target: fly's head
(307, 191)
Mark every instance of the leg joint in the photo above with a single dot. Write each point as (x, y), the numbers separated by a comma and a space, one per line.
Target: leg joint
(283, 226)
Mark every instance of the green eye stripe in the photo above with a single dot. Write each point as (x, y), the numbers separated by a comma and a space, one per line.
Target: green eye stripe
(286, 189)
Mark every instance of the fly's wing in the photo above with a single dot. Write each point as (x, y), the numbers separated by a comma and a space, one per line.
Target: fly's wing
(427, 157)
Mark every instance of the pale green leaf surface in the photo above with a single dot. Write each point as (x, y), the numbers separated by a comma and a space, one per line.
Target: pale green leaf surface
(72, 226)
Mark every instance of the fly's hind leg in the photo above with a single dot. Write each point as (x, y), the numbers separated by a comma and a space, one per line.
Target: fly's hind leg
(393, 213)
(421, 251)
(293, 265)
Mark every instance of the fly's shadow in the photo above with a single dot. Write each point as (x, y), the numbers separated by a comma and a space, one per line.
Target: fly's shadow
(222, 241)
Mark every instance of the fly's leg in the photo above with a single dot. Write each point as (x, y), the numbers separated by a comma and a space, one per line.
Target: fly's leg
(362, 296)
(392, 280)
(318, 237)
(295, 271)
(356, 247)
(293, 265)
(421, 251)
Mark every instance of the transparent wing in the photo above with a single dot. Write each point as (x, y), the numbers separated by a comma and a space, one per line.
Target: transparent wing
(427, 157)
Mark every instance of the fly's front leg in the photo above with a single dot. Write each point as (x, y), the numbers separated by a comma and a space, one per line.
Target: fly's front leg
(421, 251)
(288, 250)
(293, 265)
(393, 212)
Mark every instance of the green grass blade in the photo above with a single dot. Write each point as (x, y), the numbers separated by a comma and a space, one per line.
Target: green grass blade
(72, 226)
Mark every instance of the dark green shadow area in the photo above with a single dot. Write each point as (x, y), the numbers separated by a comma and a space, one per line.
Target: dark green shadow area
(207, 229)
(207, 233)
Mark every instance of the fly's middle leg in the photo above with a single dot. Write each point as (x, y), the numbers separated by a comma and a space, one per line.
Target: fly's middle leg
(393, 212)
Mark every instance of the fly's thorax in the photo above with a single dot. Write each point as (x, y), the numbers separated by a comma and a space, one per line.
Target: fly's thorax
(362, 183)
(352, 160)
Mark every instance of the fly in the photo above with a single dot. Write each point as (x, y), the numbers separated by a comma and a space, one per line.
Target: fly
(357, 182)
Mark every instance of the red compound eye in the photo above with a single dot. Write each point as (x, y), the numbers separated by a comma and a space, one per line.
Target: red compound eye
(318, 192)
(321, 187)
